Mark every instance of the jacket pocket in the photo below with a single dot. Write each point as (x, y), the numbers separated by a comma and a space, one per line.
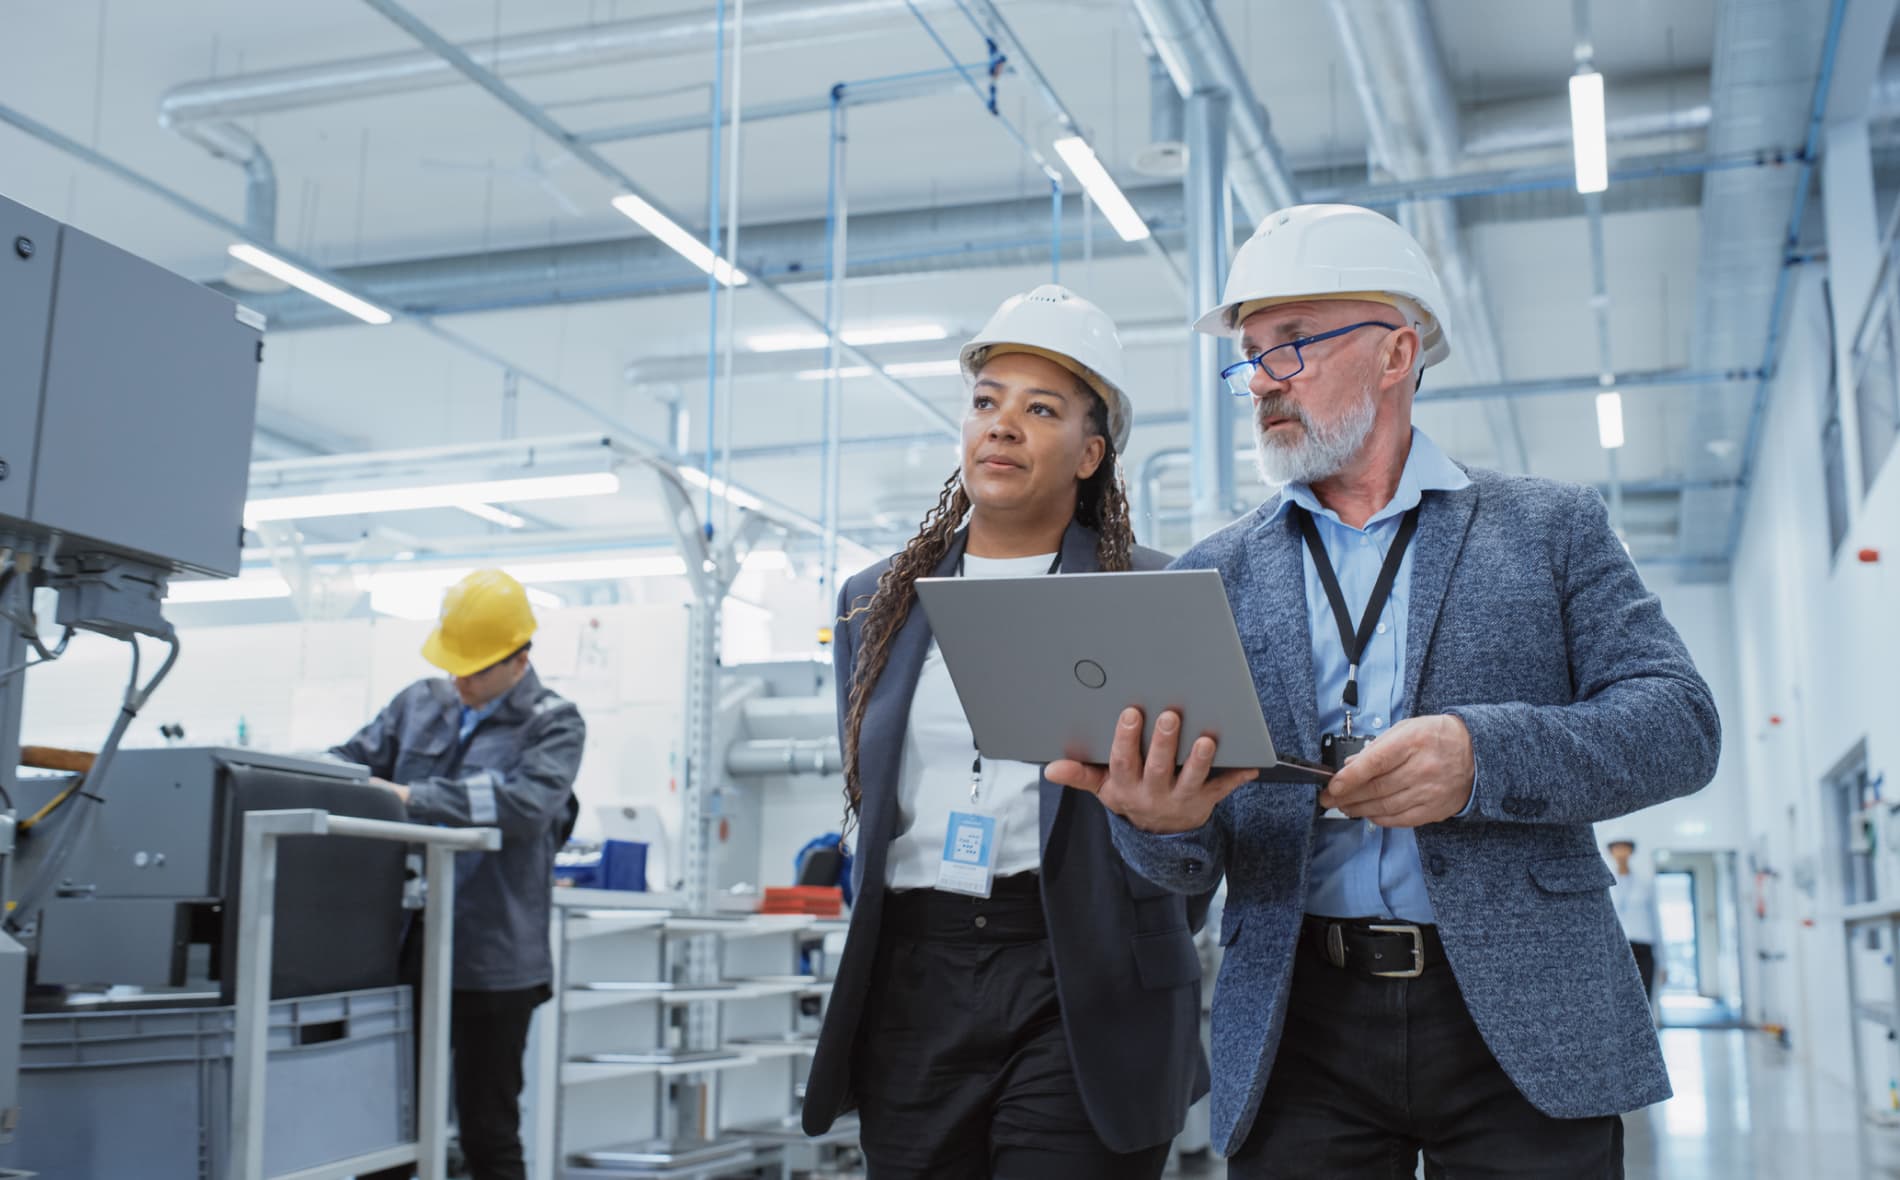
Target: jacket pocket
(1166, 959)
(1572, 874)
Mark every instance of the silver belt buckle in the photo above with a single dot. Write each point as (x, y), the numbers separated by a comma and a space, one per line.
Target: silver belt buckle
(1418, 950)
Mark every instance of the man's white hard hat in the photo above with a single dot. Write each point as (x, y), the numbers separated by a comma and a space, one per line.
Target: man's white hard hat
(1322, 252)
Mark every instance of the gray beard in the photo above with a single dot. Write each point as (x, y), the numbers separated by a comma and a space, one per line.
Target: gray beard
(1322, 450)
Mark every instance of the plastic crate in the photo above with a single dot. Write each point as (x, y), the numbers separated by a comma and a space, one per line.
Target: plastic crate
(146, 1092)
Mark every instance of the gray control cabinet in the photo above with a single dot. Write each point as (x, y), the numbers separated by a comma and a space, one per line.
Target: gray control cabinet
(128, 396)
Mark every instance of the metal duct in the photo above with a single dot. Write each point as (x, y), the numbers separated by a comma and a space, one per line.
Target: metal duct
(1190, 41)
(787, 756)
(1645, 107)
(906, 242)
(780, 23)
(1766, 59)
(1210, 241)
(228, 141)
(987, 233)
(1392, 55)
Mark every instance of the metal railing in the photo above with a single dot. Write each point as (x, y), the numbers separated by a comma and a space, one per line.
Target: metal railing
(257, 921)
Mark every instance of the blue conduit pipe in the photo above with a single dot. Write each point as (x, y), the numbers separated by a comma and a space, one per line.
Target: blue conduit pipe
(988, 98)
(1784, 281)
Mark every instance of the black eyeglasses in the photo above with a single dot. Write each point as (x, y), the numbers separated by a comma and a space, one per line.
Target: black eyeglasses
(1284, 361)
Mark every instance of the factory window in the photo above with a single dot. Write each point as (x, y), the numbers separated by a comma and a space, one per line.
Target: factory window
(1877, 393)
(1833, 450)
(1834, 470)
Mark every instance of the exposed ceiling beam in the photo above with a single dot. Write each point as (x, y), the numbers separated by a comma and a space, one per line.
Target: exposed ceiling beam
(541, 121)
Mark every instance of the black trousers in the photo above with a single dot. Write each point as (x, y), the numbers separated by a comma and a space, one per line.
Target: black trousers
(1373, 1071)
(962, 1070)
(488, 1033)
(1646, 964)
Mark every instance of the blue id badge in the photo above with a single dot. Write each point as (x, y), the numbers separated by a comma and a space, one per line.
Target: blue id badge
(969, 853)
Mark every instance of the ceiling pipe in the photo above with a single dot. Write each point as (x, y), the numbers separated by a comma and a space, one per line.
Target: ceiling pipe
(781, 24)
(1199, 55)
(540, 120)
(1398, 73)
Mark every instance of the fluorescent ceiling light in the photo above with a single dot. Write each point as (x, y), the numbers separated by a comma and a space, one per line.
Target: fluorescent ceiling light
(719, 487)
(1610, 420)
(493, 515)
(855, 337)
(1586, 129)
(942, 368)
(458, 495)
(1101, 187)
(847, 372)
(246, 588)
(309, 284)
(684, 244)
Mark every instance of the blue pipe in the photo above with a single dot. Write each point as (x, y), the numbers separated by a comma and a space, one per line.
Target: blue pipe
(976, 88)
(712, 275)
(1791, 242)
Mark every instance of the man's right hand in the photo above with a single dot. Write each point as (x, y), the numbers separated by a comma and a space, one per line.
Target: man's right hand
(1149, 793)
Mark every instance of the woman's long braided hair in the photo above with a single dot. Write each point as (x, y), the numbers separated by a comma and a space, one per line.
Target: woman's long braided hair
(1101, 504)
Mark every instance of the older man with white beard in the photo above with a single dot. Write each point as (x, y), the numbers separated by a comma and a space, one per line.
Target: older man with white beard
(1421, 956)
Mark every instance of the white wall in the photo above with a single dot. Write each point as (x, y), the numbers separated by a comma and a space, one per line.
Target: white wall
(1815, 652)
(1715, 818)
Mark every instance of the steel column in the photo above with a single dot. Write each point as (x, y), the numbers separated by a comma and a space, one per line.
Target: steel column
(1211, 425)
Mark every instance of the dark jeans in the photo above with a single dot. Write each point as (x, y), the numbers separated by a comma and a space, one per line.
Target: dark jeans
(488, 1033)
(1646, 964)
(1373, 1071)
(962, 1070)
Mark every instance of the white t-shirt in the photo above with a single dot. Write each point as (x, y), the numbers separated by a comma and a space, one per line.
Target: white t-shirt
(933, 774)
(1634, 896)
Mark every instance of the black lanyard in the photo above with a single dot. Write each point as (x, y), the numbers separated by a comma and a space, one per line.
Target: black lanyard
(1356, 643)
(976, 767)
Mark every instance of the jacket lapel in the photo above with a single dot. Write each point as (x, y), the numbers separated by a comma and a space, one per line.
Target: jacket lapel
(1274, 630)
(1444, 522)
(1078, 557)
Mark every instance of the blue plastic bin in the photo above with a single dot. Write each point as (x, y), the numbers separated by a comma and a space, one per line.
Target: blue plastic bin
(623, 865)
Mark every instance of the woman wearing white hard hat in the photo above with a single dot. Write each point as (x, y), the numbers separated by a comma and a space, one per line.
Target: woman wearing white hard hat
(1045, 1024)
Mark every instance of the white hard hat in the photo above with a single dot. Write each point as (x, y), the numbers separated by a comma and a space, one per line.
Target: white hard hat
(1309, 252)
(1055, 323)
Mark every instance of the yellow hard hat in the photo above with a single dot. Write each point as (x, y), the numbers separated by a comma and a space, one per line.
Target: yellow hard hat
(485, 619)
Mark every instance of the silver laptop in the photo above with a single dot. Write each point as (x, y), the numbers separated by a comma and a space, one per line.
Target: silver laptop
(1045, 665)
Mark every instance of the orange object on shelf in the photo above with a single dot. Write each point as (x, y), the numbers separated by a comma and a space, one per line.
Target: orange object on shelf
(812, 901)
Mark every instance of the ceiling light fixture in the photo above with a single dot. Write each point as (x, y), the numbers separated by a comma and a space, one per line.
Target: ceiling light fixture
(457, 495)
(941, 368)
(309, 284)
(1101, 188)
(1587, 132)
(855, 337)
(676, 238)
(1610, 420)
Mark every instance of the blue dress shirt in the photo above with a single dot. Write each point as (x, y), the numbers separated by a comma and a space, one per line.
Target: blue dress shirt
(1360, 870)
(473, 717)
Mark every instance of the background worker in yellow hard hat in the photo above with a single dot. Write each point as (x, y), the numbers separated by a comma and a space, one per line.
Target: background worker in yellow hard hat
(487, 746)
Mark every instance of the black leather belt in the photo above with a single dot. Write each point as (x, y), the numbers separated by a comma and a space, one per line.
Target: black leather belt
(1387, 949)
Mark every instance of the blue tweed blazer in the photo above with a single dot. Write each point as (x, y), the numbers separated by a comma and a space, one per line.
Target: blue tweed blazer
(1528, 621)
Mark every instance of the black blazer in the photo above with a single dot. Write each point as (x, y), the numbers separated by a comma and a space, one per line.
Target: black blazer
(1127, 972)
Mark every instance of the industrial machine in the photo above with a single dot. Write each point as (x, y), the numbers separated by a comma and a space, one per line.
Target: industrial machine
(136, 949)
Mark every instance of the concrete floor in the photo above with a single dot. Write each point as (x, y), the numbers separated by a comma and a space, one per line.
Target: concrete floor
(1744, 1110)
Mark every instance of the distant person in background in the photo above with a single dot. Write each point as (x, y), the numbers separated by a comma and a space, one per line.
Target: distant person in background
(488, 745)
(1634, 895)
